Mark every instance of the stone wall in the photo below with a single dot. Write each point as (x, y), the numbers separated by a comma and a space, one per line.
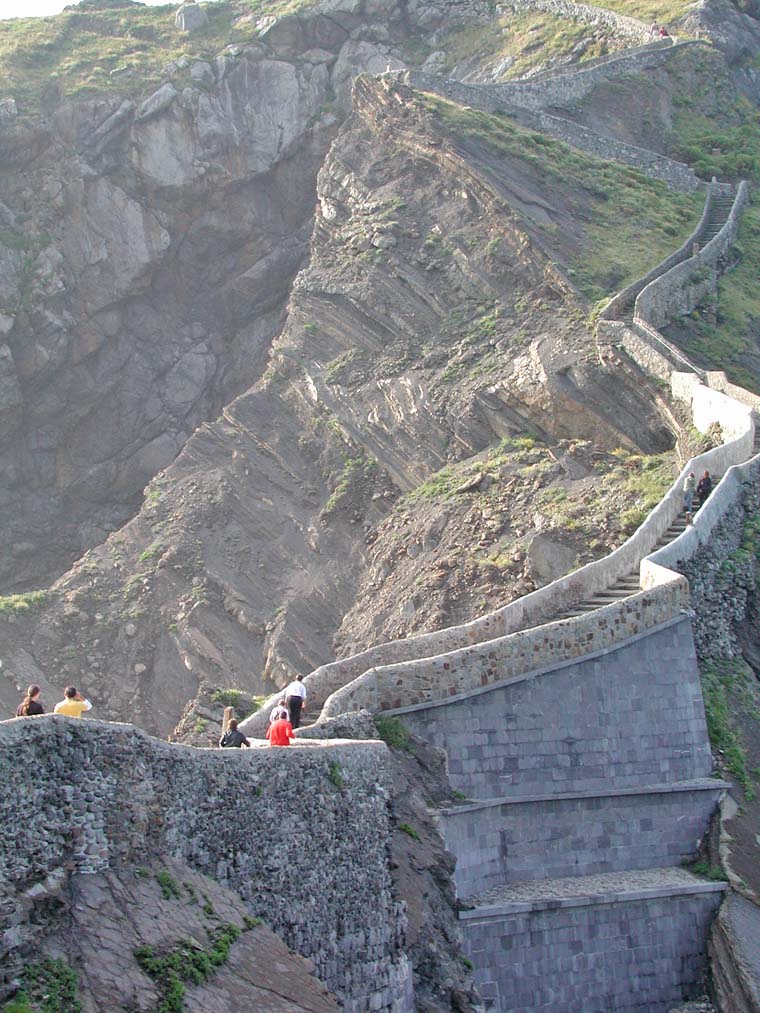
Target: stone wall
(274, 825)
(517, 840)
(642, 953)
(525, 103)
(634, 32)
(531, 735)
(679, 290)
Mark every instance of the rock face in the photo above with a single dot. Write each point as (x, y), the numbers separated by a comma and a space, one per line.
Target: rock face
(190, 17)
(427, 326)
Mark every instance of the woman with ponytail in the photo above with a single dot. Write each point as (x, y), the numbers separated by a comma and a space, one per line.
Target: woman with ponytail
(30, 706)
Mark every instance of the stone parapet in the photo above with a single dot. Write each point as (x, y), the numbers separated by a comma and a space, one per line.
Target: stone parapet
(86, 796)
(631, 30)
(511, 839)
(630, 715)
(628, 946)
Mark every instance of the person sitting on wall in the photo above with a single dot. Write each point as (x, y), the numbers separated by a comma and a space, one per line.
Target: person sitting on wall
(280, 732)
(664, 33)
(295, 698)
(232, 738)
(73, 704)
(30, 706)
(704, 487)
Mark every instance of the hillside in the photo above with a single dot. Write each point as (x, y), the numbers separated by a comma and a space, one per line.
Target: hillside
(415, 422)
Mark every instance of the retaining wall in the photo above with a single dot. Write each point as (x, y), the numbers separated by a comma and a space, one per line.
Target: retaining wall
(609, 954)
(550, 836)
(528, 110)
(629, 29)
(679, 290)
(85, 795)
(534, 734)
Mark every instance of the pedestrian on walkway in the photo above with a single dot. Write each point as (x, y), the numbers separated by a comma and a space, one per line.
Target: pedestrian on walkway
(704, 487)
(280, 732)
(232, 738)
(279, 710)
(295, 699)
(688, 495)
(73, 704)
(30, 706)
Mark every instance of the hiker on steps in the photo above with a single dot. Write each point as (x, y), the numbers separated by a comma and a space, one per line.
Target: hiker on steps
(280, 732)
(278, 711)
(688, 495)
(295, 699)
(704, 488)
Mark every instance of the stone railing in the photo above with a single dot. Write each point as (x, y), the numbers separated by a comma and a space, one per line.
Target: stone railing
(598, 61)
(527, 651)
(87, 796)
(493, 98)
(677, 291)
(630, 29)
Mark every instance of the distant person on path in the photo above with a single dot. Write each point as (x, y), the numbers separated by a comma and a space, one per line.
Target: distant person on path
(688, 495)
(280, 732)
(704, 487)
(295, 698)
(73, 704)
(664, 33)
(30, 706)
(655, 29)
(232, 738)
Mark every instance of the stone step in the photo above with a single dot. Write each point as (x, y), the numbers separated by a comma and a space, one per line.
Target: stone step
(627, 942)
(506, 840)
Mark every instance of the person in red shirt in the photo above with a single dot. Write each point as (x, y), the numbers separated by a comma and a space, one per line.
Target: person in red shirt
(280, 732)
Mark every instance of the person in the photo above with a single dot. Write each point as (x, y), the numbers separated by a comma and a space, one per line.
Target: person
(664, 33)
(295, 699)
(704, 487)
(73, 704)
(655, 29)
(232, 738)
(30, 706)
(278, 711)
(280, 732)
(688, 495)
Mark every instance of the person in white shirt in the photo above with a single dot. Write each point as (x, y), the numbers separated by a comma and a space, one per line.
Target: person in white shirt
(295, 699)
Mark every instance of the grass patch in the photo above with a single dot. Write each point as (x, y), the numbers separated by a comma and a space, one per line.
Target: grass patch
(702, 868)
(409, 830)
(186, 962)
(393, 732)
(228, 697)
(356, 472)
(631, 222)
(168, 884)
(124, 49)
(48, 986)
(19, 604)
(722, 680)
(335, 774)
(647, 10)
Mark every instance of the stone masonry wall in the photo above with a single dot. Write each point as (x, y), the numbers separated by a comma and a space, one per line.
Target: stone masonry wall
(86, 795)
(526, 103)
(634, 32)
(581, 835)
(598, 957)
(531, 735)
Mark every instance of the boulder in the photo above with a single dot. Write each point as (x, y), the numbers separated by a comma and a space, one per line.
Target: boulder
(549, 560)
(190, 17)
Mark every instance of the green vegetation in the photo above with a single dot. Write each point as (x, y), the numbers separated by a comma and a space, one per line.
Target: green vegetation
(703, 868)
(94, 49)
(185, 962)
(169, 886)
(409, 830)
(229, 697)
(468, 963)
(335, 774)
(530, 39)
(661, 11)
(48, 986)
(724, 335)
(393, 732)
(632, 221)
(356, 471)
(19, 604)
(726, 687)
